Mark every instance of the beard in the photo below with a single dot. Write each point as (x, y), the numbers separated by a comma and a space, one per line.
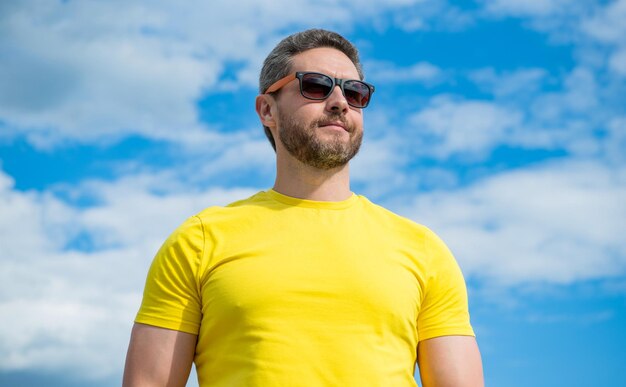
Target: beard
(304, 143)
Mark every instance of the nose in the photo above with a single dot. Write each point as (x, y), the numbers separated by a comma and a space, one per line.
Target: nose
(336, 102)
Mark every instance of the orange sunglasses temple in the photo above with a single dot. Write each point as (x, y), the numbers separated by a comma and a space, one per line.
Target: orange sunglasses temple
(280, 83)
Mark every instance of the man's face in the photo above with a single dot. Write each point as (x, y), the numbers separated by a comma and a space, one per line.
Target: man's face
(322, 134)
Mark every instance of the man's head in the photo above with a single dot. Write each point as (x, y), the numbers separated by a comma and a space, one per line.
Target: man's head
(327, 53)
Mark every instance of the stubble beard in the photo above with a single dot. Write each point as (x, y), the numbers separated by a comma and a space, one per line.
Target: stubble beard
(304, 143)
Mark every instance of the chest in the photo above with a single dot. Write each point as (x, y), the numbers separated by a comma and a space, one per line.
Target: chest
(341, 278)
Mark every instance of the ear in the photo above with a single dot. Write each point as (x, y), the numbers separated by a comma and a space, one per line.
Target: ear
(264, 108)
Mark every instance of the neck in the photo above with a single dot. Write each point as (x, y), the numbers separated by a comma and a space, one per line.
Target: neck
(298, 180)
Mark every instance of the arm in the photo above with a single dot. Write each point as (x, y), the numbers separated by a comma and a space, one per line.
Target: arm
(158, 357)
(450, 361)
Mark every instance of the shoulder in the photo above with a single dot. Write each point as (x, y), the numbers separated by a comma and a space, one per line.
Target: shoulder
(194, 238)
(392, 219)
(418, 237)
(224, 213)
(217, 221)
(195, 225)
(258, 200)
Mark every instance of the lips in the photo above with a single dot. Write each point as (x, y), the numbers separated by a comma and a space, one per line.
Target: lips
(335, 123)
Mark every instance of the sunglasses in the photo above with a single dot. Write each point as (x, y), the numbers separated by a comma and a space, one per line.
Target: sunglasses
(317, 86)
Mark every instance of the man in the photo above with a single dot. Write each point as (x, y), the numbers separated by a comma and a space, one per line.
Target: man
(306, 284)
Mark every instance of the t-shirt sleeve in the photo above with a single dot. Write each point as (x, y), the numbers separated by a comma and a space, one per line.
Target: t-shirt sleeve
(444, 309)
(171, 297)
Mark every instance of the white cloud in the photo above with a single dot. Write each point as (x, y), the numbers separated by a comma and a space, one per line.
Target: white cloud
(72, 308)
(378, 168)
(556, 223)
(598, 28)
(139, 206)
(94, 71)
(245, 151)
(517, 83)
(30, 222)
(568, 118)
(388, 72)
(526, 7)
(617, 62)
(432, 15)
(84, 71)
(579, 95)
(64, 331)
(615, 141)
(473, 128)
(607, 24)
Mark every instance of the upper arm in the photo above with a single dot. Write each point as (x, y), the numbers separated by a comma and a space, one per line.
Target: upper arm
(172, 295)
(444, 307)
(158, 357)
(450, 361)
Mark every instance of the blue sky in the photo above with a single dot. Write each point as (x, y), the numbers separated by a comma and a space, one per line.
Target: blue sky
(499, 124)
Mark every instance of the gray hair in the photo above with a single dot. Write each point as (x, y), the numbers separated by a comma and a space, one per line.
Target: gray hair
(278, 63)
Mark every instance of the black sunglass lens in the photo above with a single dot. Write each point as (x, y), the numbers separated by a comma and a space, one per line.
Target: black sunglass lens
(357, 93)
(316, 86)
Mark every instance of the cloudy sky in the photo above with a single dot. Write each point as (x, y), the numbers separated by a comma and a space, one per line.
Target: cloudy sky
(500, 124)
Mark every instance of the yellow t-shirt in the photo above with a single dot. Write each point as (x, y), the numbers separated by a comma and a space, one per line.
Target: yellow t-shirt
(290, 292)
